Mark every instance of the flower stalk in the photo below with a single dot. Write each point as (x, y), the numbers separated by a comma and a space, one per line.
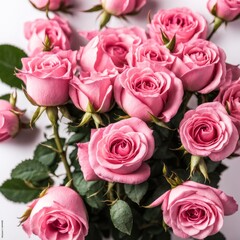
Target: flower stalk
(52, 113)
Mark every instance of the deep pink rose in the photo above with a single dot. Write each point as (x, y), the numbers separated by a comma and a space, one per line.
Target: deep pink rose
(229, 97)
(117, 153)
(151, 54)
(95, 89)
(59, 214)
(201, 58)
(122, 7)
(182, 22)
(56, 29)
(53, 4)
(141, 91)
(47, 76)
(9, 121)
(195, 210)
(209, 131)
(109, 48)
(226, 9)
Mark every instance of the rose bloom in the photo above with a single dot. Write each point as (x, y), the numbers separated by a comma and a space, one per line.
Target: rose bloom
(117, 153)
(9, 121)
(141, 91)
(56, 29)
(151, 54)
(229, 97)
(182, 22)
(122, 7)
(195, 210)
(47, 76)
(109, 48)
(208, 131)
(201, 66)
(228, 10)
(53, 4)
(95, 89)
(59, 214)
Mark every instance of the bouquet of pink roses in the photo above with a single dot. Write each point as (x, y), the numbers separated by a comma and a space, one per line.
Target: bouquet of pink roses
(150, 114)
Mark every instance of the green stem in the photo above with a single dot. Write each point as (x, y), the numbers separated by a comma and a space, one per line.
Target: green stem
(217, 23)
(61, 152)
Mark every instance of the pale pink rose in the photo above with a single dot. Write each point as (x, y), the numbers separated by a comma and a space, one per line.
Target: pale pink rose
(182, 22)
(201, 66)
(53, 4)
(109, 48)
(141, 91)
(122, 7)
(151, 54)
(9, 121)
(47, 76)
(229, 97)
(95, 89)
(117, 153)
(228, 10)
(208, 131)
(59, 214)
(56, 29)
(195, 210)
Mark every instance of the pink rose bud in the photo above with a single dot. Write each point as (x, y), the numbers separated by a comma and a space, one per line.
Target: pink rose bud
(47, 76)
(229, 97)
(122, 7)
(95, 89)
(55, 32)
(195, 210)
(9, 121)
(180, 22)
(227, 10)
(201, 58)
(109, 48)
(142, 92)
(208, 131)
(59, 214)
(53, 4)
(117, 153)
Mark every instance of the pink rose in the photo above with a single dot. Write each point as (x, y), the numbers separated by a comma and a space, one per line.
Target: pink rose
(209, 131)
(53, 4)
(59, 214)
(57, 30)
(117, 153)
(141, 91)
(122, 7)
(229, 97)
(228, 10)
(109, 48)
(152, 54)
(95, 89)
(47, 76)
(9, 121)
(195, 210)
(182, 22)
(201, 58)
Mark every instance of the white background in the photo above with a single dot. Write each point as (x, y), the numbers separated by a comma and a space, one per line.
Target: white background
(13, 14)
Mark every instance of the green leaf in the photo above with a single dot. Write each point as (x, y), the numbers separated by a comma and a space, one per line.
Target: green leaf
(45, 154)
(121, 216)
(94, 8)
(10, 59)
(5, 97)
(18, 190)
(136, 192)
(30, 170)
(91, 190)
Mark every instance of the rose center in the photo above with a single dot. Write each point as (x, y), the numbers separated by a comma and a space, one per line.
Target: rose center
(59, 225)
(121, 147)
(194, 214)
